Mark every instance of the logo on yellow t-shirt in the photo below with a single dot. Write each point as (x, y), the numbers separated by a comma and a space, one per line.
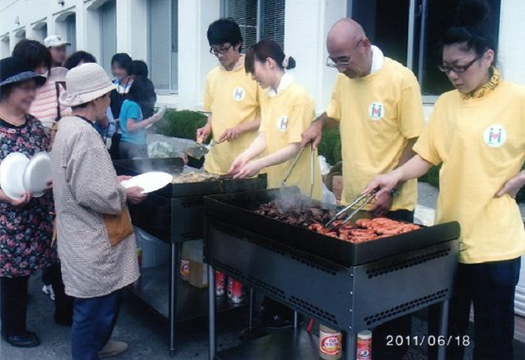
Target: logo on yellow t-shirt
(238, 94)
(282, 123)
(495, 136)
(376, 110)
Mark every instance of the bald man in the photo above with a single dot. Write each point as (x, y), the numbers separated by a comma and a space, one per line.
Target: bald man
(376, 102)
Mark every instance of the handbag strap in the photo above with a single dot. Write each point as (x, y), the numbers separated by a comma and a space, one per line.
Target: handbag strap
(57, 89)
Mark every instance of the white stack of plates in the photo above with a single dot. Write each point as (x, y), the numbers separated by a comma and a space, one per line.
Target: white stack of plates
(18, 174)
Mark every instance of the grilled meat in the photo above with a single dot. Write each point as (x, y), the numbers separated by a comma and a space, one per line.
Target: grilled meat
(314, 218)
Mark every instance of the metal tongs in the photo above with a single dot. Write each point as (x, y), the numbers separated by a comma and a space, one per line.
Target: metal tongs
(361, 201)
(290, 169)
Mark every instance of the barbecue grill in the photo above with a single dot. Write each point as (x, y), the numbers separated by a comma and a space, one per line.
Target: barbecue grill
(174, 214)
(351, 287)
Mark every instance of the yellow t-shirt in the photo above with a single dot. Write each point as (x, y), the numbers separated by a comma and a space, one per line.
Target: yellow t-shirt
(284, 118)
(232, 97)
(481, 143)
(378, 114)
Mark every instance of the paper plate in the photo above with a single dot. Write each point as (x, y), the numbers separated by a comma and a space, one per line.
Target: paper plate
(149, 182)
(11, 174)
(37, 173)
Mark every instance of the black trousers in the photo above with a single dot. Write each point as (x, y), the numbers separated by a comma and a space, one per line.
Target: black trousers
(13, 305)
(490, 287)
(397, 327)
(63, 302)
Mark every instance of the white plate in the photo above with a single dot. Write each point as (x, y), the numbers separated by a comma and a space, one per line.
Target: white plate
(11, 174)
(37, 174)
(149, 182)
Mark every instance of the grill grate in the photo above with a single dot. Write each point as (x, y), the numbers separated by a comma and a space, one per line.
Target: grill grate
(407, 263)
(264, 245)
(406, 307)
(315, 264)
(267, 287)
(192, 202)
(228, 231)
(313, 310)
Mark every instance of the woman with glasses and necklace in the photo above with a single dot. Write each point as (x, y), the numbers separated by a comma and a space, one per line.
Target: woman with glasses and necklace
(231, 97)
(477, 133)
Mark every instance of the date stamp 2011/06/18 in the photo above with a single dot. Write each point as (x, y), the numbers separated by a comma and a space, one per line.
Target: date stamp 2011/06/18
(430, 340)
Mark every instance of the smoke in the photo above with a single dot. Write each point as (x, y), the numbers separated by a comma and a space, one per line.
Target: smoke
(291, 198)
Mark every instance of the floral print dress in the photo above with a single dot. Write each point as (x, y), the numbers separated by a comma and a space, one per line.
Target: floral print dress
(26, 231)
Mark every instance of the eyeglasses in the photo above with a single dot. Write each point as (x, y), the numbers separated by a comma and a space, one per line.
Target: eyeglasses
(341, 62)
(220, 50)
(458, 69)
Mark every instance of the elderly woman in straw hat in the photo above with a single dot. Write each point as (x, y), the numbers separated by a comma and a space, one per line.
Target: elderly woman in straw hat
(96, 243)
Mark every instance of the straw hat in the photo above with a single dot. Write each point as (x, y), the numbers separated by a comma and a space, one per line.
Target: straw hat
(85, 83)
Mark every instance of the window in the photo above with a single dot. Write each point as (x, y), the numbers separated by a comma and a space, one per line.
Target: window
(163, 44)
(71, 31)
(258, 19)
(20, 35)
(4, 47)
(108, 21)
(40, 31)
(409, 31)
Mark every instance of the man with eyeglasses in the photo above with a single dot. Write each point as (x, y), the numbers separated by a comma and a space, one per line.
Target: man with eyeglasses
(232, 98)
(376, 102)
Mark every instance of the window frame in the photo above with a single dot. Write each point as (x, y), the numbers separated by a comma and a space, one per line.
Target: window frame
(417, 24)
(173, 89)
(260, 23)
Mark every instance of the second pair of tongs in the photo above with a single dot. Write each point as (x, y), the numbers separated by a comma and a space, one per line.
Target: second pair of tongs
(360, 202)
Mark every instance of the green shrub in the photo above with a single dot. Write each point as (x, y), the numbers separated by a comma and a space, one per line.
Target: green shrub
(432, 176)
(330, 146)
(181, 124)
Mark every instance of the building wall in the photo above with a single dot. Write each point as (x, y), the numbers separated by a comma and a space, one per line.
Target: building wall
(306, 25)
(305, 43)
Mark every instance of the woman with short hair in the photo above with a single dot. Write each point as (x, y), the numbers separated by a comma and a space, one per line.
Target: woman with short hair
(46, 106)
(26, 223)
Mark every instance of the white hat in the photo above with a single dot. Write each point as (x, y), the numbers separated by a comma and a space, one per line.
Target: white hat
(55, 41)
(85, 83)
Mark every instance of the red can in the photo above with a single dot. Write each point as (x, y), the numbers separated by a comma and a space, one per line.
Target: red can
(235, 291)
(220, 283)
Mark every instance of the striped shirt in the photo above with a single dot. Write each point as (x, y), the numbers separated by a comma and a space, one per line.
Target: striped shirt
(44, 107)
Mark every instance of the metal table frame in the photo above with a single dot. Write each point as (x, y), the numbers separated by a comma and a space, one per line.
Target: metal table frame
(350, 337)
(357, 300)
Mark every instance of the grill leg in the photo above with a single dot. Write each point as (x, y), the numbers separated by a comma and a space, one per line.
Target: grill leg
(211, 299)
(350, 346)
(252, 309)
(174, 265)
(443, 325)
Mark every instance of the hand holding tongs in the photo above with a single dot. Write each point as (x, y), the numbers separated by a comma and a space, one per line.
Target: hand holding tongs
(362, 201)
